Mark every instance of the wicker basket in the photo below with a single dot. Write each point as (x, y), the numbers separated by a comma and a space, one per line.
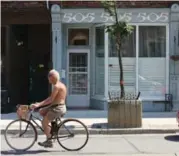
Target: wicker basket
(22, 111)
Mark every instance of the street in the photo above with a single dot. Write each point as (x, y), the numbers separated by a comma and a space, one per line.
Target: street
(111, 145)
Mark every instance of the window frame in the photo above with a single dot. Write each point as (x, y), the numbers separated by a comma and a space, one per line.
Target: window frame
(155, 40)
(82, 27)
(166, 57)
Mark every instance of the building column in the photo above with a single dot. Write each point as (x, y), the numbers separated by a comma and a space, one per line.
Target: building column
(174, 50)
(106, 64)
(137, 59)
(56, 38)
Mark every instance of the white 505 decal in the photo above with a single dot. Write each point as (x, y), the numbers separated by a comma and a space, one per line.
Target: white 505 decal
(104, 17)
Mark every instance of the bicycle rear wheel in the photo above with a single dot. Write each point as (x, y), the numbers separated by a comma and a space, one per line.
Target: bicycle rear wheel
(73, 135)
(20, 133)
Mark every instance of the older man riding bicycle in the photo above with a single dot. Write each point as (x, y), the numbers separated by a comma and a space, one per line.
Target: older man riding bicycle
(54, 105)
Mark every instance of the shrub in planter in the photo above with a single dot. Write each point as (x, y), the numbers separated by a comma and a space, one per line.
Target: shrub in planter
(123, 112)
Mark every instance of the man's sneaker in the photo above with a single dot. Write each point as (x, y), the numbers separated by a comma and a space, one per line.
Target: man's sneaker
(47, 144)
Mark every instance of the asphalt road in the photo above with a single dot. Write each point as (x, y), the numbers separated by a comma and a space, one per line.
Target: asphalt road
(109, 145)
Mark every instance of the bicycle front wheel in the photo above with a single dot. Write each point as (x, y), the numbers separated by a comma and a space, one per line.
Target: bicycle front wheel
(73, 135)
(20, 135)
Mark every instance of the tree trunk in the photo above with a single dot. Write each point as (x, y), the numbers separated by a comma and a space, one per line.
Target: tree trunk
(121, 70)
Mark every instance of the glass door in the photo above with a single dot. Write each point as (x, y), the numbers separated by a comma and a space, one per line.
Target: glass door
(78, 78)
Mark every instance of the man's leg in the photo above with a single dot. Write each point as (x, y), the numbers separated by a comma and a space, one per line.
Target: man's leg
(43, 112)
(45, 122)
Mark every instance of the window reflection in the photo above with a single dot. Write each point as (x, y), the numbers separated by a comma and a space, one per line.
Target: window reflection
(152, 41)
(152, 61)
(128, 48)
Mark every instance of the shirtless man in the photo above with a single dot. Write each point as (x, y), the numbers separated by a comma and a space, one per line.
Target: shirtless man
(55, 105)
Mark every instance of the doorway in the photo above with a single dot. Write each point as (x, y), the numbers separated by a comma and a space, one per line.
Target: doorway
(39, 51)
(28, 63)
(78, 83)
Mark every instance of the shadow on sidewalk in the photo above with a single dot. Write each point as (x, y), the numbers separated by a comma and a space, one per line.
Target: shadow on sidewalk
(106, 126)
(39, 152)
(99, 125)
(174, 138)
(30, 152)
(12, 152)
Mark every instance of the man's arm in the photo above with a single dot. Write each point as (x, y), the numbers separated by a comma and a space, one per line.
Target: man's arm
(50, 99)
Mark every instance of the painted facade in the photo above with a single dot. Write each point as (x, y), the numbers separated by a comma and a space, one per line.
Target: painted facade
(85, 56)
(152, 74)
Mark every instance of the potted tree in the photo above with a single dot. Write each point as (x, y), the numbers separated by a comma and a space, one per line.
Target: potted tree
(122, 112)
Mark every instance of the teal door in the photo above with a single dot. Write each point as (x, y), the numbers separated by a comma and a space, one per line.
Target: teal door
(38, 82)
(39, 51)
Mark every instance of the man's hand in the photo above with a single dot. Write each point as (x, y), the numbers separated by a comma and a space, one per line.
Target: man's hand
(34, 105)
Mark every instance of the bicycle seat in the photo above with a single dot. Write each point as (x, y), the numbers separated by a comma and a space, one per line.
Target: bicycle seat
(59, 118)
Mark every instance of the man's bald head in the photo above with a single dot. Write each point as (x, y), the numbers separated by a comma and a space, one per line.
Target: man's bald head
(55, 74)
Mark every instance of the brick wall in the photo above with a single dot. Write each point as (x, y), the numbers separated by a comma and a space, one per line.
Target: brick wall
(35, 12)
(25, 18)
(22, 5)
(25, 12)
(26, 5)
(121, 4)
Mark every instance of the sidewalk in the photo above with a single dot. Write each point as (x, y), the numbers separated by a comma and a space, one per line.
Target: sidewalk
(96, 120)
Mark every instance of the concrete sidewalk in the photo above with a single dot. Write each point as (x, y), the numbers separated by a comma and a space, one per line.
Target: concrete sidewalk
(96, 120)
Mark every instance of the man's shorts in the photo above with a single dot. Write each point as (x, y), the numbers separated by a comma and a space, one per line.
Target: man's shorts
(54, 111)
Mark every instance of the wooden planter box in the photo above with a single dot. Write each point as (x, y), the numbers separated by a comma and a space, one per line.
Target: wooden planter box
(125, 114)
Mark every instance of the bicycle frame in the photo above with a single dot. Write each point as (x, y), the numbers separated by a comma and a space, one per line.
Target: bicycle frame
(25, 123)
(31, 120)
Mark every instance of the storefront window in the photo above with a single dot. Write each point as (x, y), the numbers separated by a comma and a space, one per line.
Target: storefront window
(128, 48)
(99, 61)
(152, 41)
(100, 41)
(152, 61)
(128, 51)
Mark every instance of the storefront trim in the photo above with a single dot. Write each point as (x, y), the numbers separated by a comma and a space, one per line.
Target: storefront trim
(91, 20)
(106, 64)
(139, 15)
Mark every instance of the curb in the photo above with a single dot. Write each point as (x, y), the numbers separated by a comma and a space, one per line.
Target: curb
(112, 131)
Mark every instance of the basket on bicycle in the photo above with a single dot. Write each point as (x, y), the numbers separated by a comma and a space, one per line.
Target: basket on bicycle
(22, 111)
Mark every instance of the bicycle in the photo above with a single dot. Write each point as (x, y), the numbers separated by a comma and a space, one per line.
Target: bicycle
(59, 130)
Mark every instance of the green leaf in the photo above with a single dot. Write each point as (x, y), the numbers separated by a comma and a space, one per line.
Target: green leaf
(119, 31)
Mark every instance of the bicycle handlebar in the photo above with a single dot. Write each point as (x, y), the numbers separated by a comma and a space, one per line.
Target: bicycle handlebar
(35, 110)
